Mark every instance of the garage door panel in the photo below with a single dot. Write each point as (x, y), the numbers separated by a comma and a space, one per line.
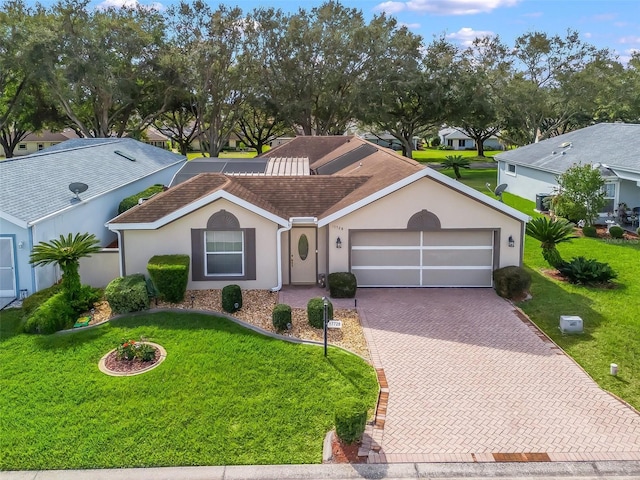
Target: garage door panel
(387, 277)
(385, 258)
(456, 278)
(471, 258)
(385, 239)
(466, 238)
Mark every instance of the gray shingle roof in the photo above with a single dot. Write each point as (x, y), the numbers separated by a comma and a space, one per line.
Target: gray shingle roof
(612, 144)
(37, 185)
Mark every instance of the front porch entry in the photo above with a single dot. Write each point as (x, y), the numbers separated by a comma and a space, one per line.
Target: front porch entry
(303, 252)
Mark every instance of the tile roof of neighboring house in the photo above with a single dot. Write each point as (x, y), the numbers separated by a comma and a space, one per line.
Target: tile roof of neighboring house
(312, 147)
(37, 185)
(613, 145)
(49, 136)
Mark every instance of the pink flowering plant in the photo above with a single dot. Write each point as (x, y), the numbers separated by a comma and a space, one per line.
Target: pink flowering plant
(130, 349)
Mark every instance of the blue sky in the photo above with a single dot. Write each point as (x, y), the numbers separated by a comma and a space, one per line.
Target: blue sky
(614, 24)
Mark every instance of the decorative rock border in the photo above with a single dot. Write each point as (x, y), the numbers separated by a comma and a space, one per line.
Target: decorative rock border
(103, 368)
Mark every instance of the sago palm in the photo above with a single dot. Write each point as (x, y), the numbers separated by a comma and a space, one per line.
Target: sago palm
(550, 233)
(66, 252)
(456, 162)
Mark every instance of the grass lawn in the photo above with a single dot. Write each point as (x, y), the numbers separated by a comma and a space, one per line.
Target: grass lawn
(250, 154)
(611, 316)
(224, 395)
(435, 155)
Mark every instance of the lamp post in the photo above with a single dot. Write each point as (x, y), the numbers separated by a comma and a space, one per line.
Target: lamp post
(325, 304)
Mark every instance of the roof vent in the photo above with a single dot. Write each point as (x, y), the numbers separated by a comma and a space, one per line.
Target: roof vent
(122, 154)
(565, 144)
(553, 152)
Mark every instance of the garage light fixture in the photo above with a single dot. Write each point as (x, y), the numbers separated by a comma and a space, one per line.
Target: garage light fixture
(338, 243)
(512, 242)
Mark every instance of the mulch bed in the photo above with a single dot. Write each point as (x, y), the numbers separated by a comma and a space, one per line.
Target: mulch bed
(128, 366)
(343, 453)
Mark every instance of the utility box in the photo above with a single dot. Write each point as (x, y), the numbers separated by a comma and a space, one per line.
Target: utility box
(570, 324)
(541, 204)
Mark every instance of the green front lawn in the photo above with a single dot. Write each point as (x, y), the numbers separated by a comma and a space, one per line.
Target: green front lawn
(224, 395)
(435, 155)
(611, 316)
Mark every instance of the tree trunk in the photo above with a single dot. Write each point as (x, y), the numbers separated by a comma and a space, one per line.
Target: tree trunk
(480, 148)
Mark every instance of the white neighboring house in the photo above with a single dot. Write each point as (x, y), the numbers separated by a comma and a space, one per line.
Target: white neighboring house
(37, 205)
(457, 140)
(36, 142)
(531, 171)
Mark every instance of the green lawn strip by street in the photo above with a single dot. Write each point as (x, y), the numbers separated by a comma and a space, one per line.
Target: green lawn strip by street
(224, 395)
(435, 155)
(611, 316)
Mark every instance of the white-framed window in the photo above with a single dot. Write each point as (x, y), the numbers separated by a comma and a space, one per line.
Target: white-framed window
(22, 146)
(40, 146)
(224, 252)
(462, 143)
(610, 197)
(449, 142)
(510, 169)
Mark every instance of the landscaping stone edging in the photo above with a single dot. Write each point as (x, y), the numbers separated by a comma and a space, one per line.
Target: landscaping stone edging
(106, 371)
(327, 451)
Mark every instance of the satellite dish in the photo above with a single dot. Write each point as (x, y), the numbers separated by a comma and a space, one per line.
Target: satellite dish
(500, 190)
(77, 188)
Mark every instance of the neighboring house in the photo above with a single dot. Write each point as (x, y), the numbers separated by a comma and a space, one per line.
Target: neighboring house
(232, 143)
(36, 142)
(389, 141)
(457, 140)
(359, 208)
(532, 170)
(154, 137)
(37, 205)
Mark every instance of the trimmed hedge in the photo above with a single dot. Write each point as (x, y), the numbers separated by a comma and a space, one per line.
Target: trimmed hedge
(231, 298)
(511, 282)
(132, 201)
(616, 232)
(351, 419)
(315, 312)
(170, 275)
(281, 316)
(128, 294)
(342, 285)
(32, 302)
(54, 314)
(590, 231)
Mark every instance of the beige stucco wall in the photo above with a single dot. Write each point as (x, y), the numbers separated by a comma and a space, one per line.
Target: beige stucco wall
(453, 209)
(100, 268)
(175, 238)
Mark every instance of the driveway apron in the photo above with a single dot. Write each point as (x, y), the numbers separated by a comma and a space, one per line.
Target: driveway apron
(469, 380)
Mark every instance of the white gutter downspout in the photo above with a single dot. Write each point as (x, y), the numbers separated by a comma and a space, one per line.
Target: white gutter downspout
(120, 253)
(279, 254)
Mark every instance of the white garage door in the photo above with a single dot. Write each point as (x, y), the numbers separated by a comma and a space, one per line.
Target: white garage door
(422, 259)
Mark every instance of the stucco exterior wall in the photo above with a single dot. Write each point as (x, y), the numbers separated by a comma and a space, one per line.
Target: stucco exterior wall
(527, 182)
(100, 268)
(175, 238)
(454, 210)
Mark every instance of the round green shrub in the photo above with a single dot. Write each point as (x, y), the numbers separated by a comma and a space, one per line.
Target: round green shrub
(281, 316)
(127, 294)
(350, 419)
(589, 231)
(315, 312)
(511, 282)
(231, 298)
(170, 276)
(616, 232)
(33, 301)
(342, 285)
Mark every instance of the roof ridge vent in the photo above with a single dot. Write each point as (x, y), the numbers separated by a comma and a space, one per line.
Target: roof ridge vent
(124, 155)
(565, 144)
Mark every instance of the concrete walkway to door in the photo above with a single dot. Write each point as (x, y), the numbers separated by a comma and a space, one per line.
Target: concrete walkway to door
(470, 381)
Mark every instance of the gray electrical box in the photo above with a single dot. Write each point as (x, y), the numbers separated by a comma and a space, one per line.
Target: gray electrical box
(570, 324)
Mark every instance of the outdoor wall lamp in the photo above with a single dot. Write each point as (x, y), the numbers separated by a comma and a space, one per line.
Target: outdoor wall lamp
(512, 242)
(338, 243)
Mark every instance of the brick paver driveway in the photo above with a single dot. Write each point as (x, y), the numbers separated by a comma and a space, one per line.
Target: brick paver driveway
(471, 381)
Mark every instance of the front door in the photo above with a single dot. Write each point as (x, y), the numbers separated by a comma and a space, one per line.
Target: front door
(303, 255)
(7, 268)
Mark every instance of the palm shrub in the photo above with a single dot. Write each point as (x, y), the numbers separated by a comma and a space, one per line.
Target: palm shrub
(587, 271)
(456, 162)
(66, 252)
(550, 233)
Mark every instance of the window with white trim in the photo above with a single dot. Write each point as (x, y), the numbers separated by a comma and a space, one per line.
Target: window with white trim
(609, 190)
(40, 146)
(224, 252)
(449, 142)
(22, 146)
(510, 169)
(462, 143)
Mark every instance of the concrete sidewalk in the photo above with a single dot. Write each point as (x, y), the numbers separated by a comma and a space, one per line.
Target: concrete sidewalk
(451, 471)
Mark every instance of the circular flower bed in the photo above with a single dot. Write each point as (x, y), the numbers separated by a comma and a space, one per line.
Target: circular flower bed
(125, 360)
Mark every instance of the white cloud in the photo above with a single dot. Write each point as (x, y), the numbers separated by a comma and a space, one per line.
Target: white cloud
(410, 26)
(587, 35)
(390, 7)
(629, 39)
(457, 7)
(129, 4)
(466, 35)
(533, 15)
